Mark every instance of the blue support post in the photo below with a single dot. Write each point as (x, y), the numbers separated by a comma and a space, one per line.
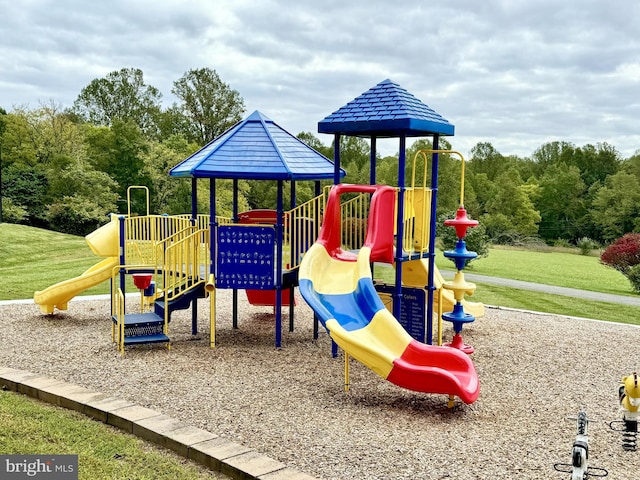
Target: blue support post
(397, 295)
(292, 205)
(336, 159)
(194, 201)
(316, 322)
(213, 228)
(372, 162)
(432, 239)
(279, 230)
(122, 271)
(194, 223)
(234, 292)
(336, 181)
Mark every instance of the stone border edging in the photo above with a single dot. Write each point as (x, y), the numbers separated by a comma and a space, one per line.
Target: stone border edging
(201, 446)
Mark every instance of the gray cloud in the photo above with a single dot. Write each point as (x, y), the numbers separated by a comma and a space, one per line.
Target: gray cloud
(514, 73)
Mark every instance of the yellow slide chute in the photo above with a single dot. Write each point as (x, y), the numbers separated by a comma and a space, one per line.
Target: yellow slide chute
(103, 242)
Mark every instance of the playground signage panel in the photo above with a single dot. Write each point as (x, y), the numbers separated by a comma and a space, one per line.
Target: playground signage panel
(246, 257)
(412, 316)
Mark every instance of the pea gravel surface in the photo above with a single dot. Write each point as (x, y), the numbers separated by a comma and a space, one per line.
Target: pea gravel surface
(535, 372)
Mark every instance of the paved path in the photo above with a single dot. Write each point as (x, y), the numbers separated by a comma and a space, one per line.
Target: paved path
(538, 287)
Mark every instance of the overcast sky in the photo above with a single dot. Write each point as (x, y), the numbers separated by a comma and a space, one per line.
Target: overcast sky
(513, 73)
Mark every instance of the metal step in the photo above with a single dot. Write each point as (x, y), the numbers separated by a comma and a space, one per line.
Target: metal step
(140, 328)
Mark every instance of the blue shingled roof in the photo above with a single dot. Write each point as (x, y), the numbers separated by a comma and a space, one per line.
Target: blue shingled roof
(386, 110)
(256, 149)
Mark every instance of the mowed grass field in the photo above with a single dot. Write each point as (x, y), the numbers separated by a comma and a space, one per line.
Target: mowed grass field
(32, 259)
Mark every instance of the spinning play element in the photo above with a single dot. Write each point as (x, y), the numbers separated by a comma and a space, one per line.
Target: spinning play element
(460, 256)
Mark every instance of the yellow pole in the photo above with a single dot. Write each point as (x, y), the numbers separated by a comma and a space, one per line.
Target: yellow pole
(346, 372)
(210, 287)
(454, 152)
(440, 316)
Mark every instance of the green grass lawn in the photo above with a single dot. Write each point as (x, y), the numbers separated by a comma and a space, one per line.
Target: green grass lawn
(549, 268)
(30, 427)
(32, 259)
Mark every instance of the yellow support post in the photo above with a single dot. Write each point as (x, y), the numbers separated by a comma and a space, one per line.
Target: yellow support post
(346, 372)
(210, 288)
(440, 292)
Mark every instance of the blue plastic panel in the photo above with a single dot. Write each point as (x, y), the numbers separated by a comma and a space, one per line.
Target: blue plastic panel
(246, 257)
(412, 318)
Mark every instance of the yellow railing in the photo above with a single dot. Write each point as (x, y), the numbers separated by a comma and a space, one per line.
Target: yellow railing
(417, 205)
(417, 210)
(117, 328)
(302, 225)
(354, 214)
(142, 235)
(185, 266)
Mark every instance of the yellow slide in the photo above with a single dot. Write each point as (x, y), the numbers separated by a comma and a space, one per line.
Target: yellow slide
(103, 242)
(414, 274)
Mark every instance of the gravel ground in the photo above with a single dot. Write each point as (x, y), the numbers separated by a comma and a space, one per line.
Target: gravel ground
(535, 371)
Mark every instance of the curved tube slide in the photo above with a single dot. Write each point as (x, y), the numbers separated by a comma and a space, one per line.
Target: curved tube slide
(339, 288)
(103, 242)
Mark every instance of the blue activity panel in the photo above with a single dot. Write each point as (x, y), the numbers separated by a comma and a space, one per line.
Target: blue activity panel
(246, 257)
(412, 317)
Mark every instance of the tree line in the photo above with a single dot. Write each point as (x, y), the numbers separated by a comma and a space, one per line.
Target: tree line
(67, 168)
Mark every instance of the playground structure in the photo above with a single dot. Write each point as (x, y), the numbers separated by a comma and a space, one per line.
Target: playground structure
(174, 260)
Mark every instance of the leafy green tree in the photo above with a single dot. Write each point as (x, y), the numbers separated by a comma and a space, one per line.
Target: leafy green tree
(118, 151)
(560, 202)
(616, 206)
(168, 195)
(17, 144)
(122, 95)
(553, 153)
(483, 191)
(25, 188)
(210, 105)
(41, 142)
(632, 164)
(35, 137)
(171, 121)
(355, 159)
(12, 213)
(510, 211)
(264, 193)
(83, 198)
(486, 159)
(596, 163)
